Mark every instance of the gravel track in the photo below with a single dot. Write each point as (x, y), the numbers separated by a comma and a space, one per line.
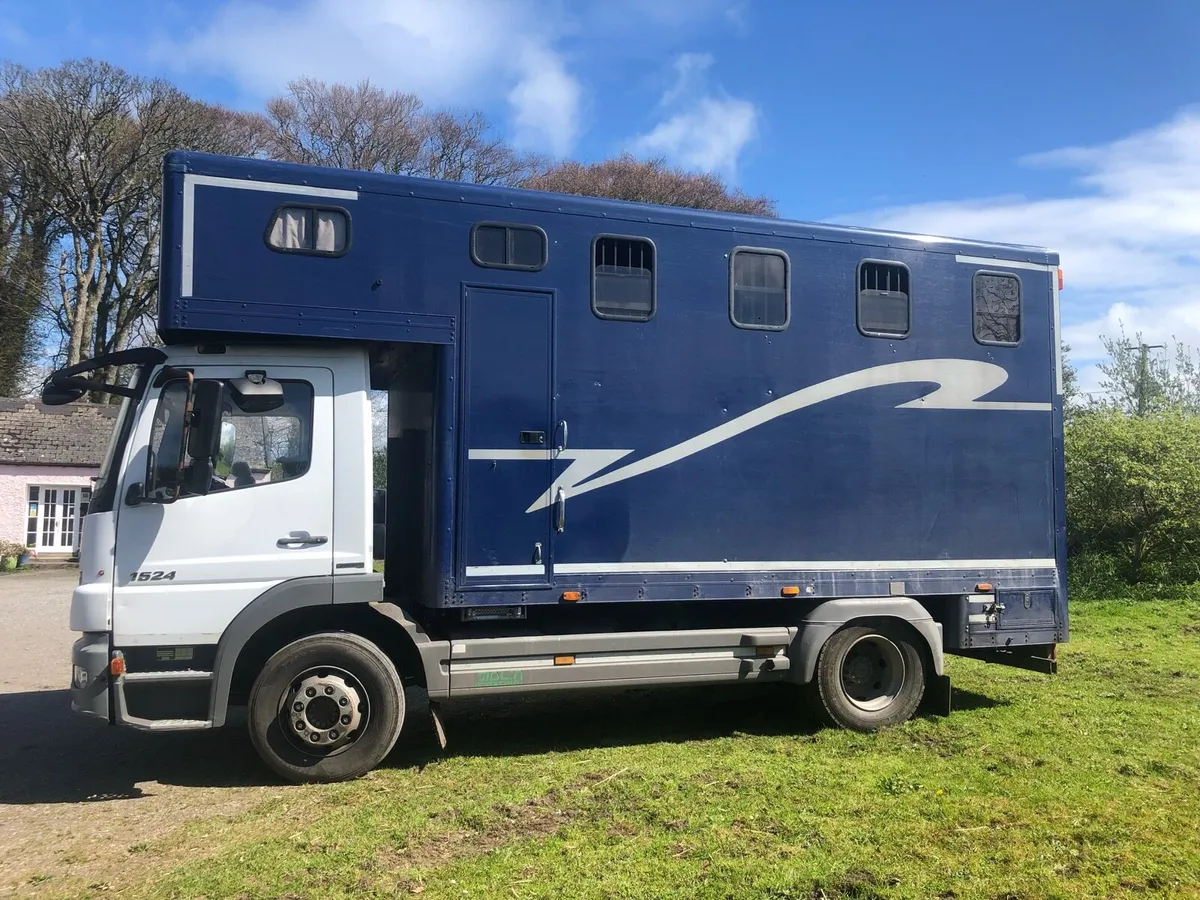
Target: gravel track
(76, 794)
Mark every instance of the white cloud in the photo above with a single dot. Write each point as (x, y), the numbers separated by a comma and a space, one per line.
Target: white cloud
(1128, 236)
(710, 136)
(450, 52)
(546, 103)
(706, 130)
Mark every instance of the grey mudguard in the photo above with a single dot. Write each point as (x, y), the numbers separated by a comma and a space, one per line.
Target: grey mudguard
(321, 590)
(820, 622)
(434, 655)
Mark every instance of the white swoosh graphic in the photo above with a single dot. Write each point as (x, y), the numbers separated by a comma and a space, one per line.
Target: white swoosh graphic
(960, 384)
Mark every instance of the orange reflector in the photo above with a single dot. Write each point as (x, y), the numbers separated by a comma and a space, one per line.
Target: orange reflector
(116, 666)
(983, 587)
(1060, 279)
(571, 596)
(764, 651)
(791, 591)
(564, 660)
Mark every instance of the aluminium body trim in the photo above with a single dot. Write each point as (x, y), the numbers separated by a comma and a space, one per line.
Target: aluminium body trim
(190, 181)
(890, 565)
(1004, 263)
(504, 571)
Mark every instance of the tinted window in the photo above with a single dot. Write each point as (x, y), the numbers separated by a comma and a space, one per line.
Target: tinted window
(623, 278)
(490, 246)
(883, 299)
(997, 308)
(501, 246)
(759, 288)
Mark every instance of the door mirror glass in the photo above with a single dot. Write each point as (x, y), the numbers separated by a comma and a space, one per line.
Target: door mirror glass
(227, 449)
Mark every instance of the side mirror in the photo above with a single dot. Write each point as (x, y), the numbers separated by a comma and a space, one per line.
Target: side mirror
(256, 393)
(57, 395)
(135, 495)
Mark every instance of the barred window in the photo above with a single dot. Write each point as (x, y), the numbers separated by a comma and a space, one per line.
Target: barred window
(623, 283)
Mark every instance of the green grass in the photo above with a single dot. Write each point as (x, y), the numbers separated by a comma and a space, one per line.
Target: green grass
(1082, 785)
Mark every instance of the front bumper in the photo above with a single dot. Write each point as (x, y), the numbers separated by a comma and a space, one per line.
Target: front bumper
(90, 681)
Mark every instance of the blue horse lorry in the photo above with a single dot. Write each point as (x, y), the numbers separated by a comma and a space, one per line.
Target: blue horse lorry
(627, 445)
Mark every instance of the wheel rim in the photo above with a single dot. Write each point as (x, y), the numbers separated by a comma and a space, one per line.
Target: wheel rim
(324, 710)
(872, 673)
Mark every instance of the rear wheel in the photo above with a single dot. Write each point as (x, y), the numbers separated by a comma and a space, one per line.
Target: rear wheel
(328, 707)
(868, 677)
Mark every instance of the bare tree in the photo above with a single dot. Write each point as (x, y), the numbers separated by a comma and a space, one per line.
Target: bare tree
(648, 181)
(27, 233)
(93, 137)
(366, 127)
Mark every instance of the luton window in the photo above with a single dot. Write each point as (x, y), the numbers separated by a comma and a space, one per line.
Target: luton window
(316, 231)
(884, 302)
(623, 283)
(997, 308)
(499, 246)
(759, 289)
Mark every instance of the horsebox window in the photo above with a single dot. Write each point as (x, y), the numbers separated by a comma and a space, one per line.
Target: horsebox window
(316, 231)
(623, 283)
(497, 245)
(996, 303)
(884, 301)
(759, 289)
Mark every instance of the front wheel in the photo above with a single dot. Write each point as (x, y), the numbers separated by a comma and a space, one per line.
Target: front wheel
(328, 707)
(868, 677)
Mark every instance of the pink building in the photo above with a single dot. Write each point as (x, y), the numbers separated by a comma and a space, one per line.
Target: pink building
(49, 457)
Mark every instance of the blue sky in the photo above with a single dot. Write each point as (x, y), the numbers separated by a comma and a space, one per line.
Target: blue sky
(1075, 125)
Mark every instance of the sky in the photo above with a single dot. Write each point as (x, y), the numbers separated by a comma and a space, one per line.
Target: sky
(1072, 125)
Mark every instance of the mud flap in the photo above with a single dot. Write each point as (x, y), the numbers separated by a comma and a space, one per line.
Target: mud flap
(437, 725)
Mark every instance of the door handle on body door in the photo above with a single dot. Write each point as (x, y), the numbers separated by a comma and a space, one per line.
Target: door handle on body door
(301, 539)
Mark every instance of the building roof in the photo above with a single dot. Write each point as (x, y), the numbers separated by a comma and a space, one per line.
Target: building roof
(34, 434)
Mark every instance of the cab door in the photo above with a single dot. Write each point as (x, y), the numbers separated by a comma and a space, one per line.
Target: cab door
(184, 569)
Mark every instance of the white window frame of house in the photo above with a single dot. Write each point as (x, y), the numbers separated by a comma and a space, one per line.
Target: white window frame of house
(67, 504)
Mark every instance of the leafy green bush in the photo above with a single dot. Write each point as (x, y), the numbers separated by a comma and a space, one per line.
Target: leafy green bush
(1094, 576)
(1133, 494)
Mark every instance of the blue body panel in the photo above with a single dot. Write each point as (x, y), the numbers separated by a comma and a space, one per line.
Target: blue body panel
(716, 462)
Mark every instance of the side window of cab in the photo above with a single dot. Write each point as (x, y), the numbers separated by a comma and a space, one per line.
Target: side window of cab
(256, 448)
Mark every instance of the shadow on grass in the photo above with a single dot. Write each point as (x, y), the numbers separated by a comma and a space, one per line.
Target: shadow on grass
(53, 755)
(966, 701)
(518, 726)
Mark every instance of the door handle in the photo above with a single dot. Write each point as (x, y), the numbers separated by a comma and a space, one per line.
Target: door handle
(302, 539)
(562, 445)
(560, 510)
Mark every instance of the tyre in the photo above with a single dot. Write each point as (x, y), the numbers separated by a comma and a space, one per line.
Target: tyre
(868, 677)
(328, 707)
